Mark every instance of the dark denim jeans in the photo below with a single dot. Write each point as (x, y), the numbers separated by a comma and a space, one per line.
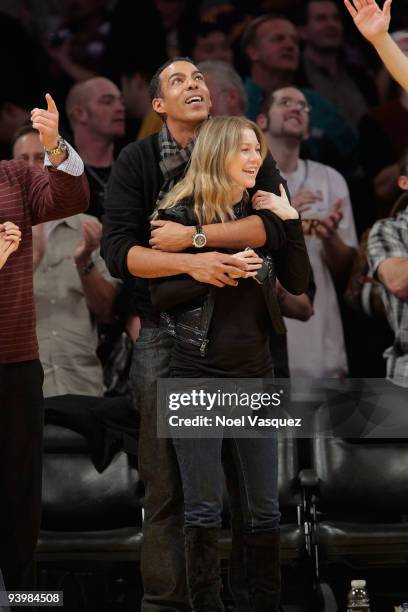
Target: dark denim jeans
(163, 561)
(21, 437)
(256, 466)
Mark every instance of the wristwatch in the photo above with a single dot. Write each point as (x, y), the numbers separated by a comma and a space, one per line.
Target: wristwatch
(199, 238)
(61, 148)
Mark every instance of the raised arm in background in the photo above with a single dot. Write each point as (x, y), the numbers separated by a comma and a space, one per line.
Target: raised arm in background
(373, 24)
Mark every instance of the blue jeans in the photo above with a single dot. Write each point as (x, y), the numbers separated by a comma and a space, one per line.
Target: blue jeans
(256, 466)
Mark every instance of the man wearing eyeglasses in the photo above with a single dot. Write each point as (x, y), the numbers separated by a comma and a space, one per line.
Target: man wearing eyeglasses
(316, 347)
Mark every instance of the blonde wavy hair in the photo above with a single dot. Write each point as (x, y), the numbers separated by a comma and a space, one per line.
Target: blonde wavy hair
(206, 180)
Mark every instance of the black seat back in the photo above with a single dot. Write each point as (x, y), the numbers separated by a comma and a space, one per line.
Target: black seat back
(362, 476)
(89, 482)
(76, 497)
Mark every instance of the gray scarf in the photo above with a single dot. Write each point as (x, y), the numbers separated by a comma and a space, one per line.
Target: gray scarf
(173, 161)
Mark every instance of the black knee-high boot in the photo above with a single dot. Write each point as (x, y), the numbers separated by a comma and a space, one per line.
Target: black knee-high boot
(263, 571)
(238, 578)
(203, 569)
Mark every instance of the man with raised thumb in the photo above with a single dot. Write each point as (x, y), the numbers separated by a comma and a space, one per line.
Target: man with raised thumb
(28, 196)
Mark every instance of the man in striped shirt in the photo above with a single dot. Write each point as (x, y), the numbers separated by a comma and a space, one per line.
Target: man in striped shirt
(28, 196)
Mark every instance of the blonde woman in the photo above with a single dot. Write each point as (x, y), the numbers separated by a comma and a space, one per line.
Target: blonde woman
(373, 24)
(224, 332)
(10, 238)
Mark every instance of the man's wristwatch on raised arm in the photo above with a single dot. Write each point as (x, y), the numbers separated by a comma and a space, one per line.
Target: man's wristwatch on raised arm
(60, 149)
(199, 238)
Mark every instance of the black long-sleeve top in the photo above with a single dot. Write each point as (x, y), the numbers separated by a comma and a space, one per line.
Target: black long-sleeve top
(238, 336)
(292, 270)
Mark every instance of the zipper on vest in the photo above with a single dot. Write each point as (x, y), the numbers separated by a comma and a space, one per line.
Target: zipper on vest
(210, 306)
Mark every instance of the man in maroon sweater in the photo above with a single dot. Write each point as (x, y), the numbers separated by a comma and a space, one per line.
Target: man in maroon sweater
(28, 196)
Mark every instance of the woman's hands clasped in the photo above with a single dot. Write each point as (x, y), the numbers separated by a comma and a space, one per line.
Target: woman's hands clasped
(251, 259)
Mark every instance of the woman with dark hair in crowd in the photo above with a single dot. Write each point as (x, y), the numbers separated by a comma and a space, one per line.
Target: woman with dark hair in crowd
(225, 333)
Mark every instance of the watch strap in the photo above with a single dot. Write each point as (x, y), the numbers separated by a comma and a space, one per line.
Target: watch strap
(59, 149)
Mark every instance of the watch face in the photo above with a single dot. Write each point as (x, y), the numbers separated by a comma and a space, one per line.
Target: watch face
(200, 240)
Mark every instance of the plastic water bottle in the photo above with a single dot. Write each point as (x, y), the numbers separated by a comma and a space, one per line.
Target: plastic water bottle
(358, 600)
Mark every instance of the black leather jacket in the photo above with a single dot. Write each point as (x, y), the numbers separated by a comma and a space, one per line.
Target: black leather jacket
(187, 306)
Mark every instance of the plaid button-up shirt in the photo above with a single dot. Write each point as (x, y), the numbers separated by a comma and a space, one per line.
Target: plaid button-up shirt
(389, 238)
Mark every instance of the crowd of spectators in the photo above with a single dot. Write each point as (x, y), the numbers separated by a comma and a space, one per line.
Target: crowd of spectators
(334, 121)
